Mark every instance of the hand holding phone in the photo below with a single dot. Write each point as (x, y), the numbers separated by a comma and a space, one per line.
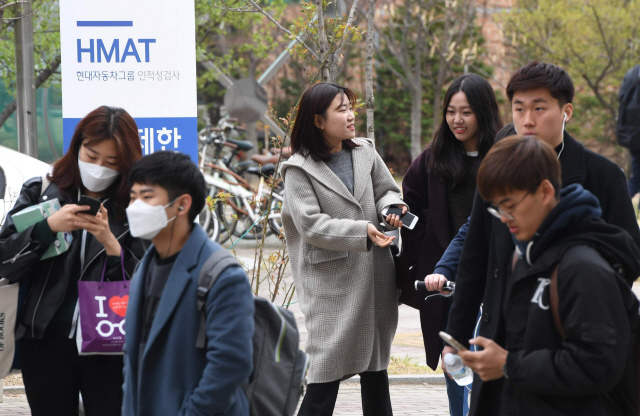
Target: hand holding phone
(93, 203)
(451, 341)
(408, 220)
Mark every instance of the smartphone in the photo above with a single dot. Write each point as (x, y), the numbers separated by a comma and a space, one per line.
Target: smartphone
(408, 220)
(92, 202)
(452, 341)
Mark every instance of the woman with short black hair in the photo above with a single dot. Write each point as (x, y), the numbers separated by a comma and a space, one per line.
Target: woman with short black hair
(103, 148)
(337, 186)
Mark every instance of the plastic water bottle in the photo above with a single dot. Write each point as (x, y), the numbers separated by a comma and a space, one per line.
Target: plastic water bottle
(460, 373)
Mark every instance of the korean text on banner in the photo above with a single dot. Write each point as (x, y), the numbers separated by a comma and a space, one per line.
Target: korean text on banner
(136, 54)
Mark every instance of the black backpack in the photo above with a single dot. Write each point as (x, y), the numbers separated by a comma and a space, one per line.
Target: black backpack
(279, 366)
(628, 129)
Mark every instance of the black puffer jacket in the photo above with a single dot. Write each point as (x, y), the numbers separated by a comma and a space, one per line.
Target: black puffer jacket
(488, 247)
(46, 282)
(589, 372)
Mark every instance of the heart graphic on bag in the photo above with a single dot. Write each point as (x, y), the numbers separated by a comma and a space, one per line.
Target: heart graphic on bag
(119, 305)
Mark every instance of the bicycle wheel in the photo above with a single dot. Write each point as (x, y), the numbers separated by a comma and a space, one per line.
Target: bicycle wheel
(275, 217)
(209, 223)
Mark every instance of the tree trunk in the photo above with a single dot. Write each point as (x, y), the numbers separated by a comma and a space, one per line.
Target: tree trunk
(416, 121)
(437, 96)
(323, 45)
(371, 103)
(330, 68)
(416, 100)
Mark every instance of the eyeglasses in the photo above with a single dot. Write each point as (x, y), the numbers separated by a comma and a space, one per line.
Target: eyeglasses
(499, 212)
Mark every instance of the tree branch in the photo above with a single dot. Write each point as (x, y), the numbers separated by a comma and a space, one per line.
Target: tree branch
(43, 76)
(259, 9)
(5, 6)
(352, 14)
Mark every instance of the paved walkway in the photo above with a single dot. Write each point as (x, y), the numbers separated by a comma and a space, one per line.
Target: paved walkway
(406, 399)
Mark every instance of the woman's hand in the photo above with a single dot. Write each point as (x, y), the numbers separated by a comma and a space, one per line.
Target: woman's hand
(379, 238)
(436, 282)
(98, 225)
(65, 218)
(394, 220)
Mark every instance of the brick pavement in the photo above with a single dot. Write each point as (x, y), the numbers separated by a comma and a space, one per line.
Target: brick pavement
(406, 399)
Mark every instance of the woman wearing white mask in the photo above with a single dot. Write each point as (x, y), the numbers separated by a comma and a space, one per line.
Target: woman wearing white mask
(103, 148)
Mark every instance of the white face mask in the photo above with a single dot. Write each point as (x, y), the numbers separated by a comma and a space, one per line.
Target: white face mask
(146, 221)
(96, 178)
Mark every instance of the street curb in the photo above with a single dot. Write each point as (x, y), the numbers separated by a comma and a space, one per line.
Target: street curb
(13, 390)
(401, 379)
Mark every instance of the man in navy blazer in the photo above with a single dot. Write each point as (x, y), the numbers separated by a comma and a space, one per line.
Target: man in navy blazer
(164, 372)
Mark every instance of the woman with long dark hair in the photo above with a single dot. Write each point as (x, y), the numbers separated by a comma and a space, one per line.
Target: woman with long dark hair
(439, 188)
(103, 148)
(337, 186)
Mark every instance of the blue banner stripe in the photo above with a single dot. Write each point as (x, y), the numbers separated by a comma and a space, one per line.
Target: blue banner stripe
(102, 23)
(156, 134)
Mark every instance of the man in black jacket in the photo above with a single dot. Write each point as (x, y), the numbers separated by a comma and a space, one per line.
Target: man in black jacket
(570, 318)
(541, 96)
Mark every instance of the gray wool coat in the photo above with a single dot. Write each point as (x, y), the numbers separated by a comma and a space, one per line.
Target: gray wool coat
(345, 285)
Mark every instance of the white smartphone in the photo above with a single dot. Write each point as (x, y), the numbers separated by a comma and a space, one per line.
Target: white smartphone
(452, 341)
(408, 220)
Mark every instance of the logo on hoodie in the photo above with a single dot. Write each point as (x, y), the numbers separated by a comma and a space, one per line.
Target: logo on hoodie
(537, 296)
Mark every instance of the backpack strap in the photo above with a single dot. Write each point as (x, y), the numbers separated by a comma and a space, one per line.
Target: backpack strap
(554, 302)
(217, 263)
(45, 185)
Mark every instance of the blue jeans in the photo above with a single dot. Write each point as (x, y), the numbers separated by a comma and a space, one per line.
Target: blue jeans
(459, 395)
(458, 398)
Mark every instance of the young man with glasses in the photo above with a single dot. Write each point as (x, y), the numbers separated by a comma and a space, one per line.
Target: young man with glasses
(570, 317)
(541, 96)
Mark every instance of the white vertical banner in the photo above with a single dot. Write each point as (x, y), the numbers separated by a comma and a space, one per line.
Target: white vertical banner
(136, 54)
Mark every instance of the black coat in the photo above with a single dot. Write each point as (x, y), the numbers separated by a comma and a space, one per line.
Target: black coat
(587, 372)
(423, 246)
(48, 280)
(488, 247)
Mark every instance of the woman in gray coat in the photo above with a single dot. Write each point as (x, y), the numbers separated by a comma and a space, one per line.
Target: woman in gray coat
(336, 188)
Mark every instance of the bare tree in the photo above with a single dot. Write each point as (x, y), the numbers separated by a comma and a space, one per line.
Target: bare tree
(414, 28)
(323, 39)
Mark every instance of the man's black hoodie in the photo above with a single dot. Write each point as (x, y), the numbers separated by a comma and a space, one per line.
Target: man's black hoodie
(590, 371)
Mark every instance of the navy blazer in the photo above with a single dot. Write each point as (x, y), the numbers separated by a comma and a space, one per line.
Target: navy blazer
(173, 377)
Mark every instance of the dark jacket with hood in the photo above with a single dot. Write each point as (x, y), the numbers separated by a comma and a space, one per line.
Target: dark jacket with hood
(488, 249)
(46, 283)
(587, 372)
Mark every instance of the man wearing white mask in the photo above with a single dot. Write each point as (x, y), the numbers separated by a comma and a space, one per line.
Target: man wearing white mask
(165, 373)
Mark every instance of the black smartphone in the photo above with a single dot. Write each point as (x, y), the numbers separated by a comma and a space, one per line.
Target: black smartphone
(92, 202)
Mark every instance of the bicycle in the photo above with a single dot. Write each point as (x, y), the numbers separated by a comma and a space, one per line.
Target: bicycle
(245, 206)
